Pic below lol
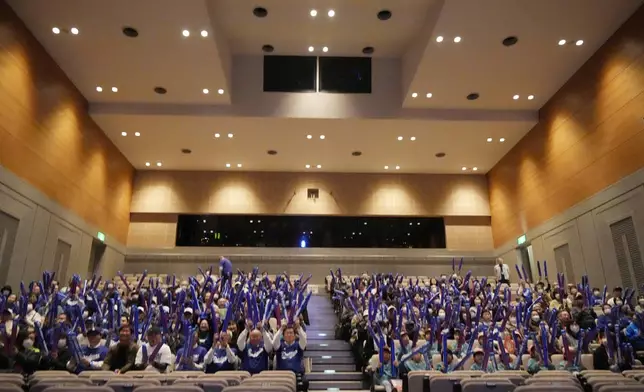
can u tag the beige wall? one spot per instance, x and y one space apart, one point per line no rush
159 196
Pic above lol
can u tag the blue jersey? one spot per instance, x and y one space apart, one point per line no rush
254 359
220 361
289 357
198 355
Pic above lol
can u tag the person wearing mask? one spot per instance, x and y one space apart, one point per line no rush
568 363
479 356
204 337
93 354
221 356
417 362
451 363
535 363
633 334
196 361
289 352
254 346
121 357
27 358
383 378
572 334
556 303
502 271
616 299
154 355
32 317
639 308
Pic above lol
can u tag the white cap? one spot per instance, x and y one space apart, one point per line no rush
166 309
188 310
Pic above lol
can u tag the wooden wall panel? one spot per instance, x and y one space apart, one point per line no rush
590 134
48 139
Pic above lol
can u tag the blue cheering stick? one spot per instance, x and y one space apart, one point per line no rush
618 344
544 343
41 338
580 343
444 350
518 271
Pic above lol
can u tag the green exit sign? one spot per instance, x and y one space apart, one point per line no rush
521 239
100 236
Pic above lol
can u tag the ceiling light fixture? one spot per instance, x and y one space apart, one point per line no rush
400 138
137 134
463 168
457 39
311 48
220 91
413 138
307 166
331 13
239 165
397 167
429 95
204 33
99 89
439 38
530 97
386 167
123 133
516 96
475 168
159 164
230 136
322 137
185 33
268 48
319 166
579 42
309 136
562 42
147 163
313 13
74 30
205 91
325 49
414 95
228 165
217 135
130 32
489 140
55 30
115 90
502 139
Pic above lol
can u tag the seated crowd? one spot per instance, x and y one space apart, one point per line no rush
457 322
242 321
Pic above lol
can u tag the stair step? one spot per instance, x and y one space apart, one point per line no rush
327 353
338 367
320 333
327 344
330 360
334 386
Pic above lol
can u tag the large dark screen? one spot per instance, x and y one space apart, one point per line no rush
348 75
310 231
289 74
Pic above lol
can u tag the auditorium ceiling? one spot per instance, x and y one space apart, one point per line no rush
174 74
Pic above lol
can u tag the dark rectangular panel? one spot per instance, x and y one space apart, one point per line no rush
290 74
346 75
293 231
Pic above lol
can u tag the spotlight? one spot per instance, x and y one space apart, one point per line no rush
185 33
308 166
331 13
414 95
239 165
311 48
313 13
220 91
489 140
562 42
400 138
463 168
475 168
309 136
123 133
516 96
147 164
74 30
325 49
439 38
159 164
99 89
322 137
230 135
217 135
228 165
55 30
457 39
429 95
204 33
530 97
413 138
319 166
386 167
115 90
579 42
205 91
137 134
502 139
397 167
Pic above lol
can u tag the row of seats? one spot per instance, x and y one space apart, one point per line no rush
520 381
142 381
422 280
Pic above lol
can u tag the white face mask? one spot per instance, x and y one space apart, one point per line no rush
441 315
434 289
535 318
30 307
596 293
641 301
513 320
27 344
618 303
574 328
62 343
540 291
85 315
477 302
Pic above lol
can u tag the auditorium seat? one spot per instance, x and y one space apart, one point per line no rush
128 385
487 384
47 383
169 388
446 382
78 388
622 388
553 388
12 378
207 384
516 379
11 388
260 389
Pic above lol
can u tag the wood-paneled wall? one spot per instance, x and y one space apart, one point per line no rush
590 134
48 139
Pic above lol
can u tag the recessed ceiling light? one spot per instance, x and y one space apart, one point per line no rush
386 167
186 151
322 137
502 139
271 152
475 168
356 153
217 135
439 155
268 48
159 164
123 133
414 95
400 138
413 138
137 134
307 166
74 30
160 90
319 166
230 135
239 165
530 97
205 91
147 163
325 49
130 32
309 136
429 95
220 91
185 33
311 48
397 167
204 33
228 165
313 13
331 13
368 50
463 168
260 12
516 96
99 89
472 96
509 41
579 42
55 30
384 15
457 39
562 42
489 140
115 90
439 38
